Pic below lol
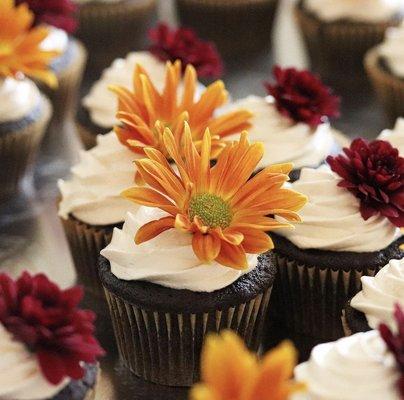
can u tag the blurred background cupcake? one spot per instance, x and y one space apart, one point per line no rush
112 28
239 28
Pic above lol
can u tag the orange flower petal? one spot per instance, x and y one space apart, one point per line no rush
232 256
153 229
256 241
206 246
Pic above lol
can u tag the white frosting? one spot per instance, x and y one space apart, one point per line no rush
395 136
92 194
167 260
18 98
57 40
392 49
379 294
284 140
332 220
355 10
20 374
357 367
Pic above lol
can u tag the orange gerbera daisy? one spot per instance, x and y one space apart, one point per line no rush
145 113
224 210
231 372
20 51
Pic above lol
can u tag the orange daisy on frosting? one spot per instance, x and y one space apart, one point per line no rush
145 112
224 210
20 51
230 372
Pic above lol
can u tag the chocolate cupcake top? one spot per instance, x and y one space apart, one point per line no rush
391 50
395 136
372 11
381 293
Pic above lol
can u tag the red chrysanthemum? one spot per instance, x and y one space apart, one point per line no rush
46 319
183 44
58 13
374 173
395 343
301 96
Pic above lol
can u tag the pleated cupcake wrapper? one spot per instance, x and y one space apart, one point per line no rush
111 30
238 28
389 89
345 326
18 150
338 48
88 138
85 243
165 347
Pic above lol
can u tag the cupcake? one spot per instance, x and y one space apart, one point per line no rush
385 68
97 114
338 33
47 343
240 28
395 136
188 262
91 205
350 228
24 112
375 303
293 120
112 28
367 365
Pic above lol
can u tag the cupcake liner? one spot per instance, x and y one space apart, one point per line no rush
389 89
345 325
111 30
88 138
18 147
238 27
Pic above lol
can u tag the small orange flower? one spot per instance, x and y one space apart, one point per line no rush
224 210
231 372
145 113
20 51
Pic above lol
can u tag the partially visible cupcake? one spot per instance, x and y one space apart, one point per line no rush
338 33
395 136
48 348
293 121
24 112
188 262
97 114
112 28
351 227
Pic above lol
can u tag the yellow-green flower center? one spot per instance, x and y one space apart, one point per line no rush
211 209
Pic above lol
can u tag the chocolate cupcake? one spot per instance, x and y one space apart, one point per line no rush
338 34
193 267
48 349
112 28
345 234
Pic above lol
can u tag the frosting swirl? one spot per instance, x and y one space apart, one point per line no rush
355 10
379 294
167 260
92 195
20 374
357 367
332 219
395 136
284 140
57 40
392 50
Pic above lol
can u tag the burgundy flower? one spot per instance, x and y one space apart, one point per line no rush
58 13
46 319
395 343
183 44
374 173
301 96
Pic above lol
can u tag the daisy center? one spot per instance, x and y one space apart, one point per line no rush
211 209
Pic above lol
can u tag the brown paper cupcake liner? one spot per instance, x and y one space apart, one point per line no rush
238 28
88 138
165 347
18 148
389 89
345 325
111 30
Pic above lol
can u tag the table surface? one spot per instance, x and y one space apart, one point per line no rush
31 235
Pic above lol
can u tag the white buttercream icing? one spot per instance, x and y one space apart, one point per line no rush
357 367
332 220
284 140
57 40
167 260
392 49
20 374
355 10
92 194
395 136
379 294
18 98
